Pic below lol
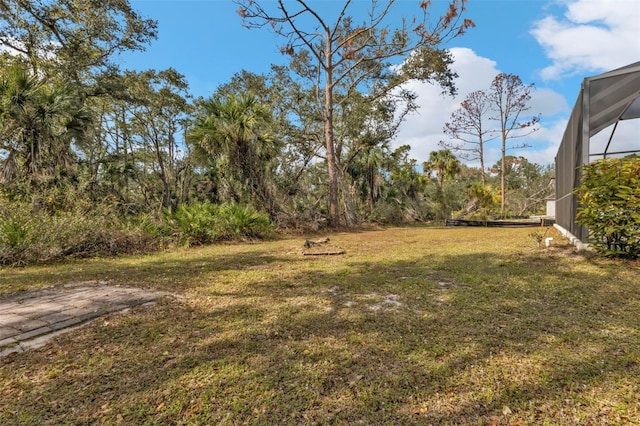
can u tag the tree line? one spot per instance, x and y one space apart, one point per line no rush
306 145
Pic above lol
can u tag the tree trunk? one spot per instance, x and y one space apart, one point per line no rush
337 183
481 154
334 213
502 173
347 199
329 139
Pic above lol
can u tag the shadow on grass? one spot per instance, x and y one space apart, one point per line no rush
459 339
175 272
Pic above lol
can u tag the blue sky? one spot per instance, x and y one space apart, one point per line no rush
551 43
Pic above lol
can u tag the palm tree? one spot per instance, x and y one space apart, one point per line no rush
18 117
232 131
366 173
38 123
444 164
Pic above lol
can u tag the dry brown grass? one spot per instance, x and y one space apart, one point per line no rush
410 326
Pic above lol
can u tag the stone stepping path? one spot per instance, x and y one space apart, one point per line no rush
30 319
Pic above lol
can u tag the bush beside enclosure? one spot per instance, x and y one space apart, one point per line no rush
610 206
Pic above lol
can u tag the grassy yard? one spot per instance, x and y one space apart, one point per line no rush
410 326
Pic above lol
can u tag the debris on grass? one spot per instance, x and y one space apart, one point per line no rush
472 328
321 247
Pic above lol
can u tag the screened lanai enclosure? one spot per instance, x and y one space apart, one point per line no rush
596 129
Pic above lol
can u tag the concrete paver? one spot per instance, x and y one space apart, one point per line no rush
30 319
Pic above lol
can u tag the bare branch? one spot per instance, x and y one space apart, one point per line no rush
356 57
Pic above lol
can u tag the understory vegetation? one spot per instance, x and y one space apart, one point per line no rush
610 206
28 236
96 160
103 169
410 326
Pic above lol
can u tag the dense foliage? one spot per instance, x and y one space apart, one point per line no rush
28 236
103 161
356 69
610 206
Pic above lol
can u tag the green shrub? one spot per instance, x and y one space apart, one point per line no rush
234 221
146 224
32 236
610 206
14 232
17 229
192 224
204 223
97 232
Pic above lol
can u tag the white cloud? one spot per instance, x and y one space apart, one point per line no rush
423 130
593 35
544 143
625 138
549 102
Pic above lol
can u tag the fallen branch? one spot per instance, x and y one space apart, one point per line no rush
322 253
309 243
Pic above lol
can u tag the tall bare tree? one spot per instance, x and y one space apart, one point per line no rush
509 98
469 130
350 57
